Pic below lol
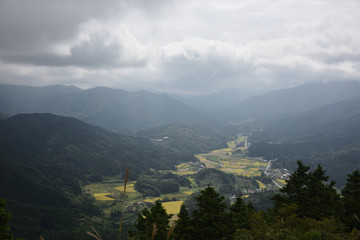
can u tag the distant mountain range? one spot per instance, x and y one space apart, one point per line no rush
113 109
218 102
286 102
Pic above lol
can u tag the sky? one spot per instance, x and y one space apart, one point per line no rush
179 46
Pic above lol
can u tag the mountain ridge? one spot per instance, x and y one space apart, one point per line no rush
113 109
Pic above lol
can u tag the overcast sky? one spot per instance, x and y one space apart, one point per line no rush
184 46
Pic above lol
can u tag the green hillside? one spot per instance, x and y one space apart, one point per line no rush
185 139
329 135
45 159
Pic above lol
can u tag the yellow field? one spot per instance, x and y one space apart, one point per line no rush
188 192
172 207
151 200
129 188
282 181
242 166
261 185
103 197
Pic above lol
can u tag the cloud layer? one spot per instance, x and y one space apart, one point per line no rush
179 46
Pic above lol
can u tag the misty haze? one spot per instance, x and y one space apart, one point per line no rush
179 120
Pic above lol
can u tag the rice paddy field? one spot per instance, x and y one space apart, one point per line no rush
129 188
232 164
111 190
227 160
261 185
185 169
172 207
103 197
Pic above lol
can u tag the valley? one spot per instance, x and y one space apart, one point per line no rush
250 175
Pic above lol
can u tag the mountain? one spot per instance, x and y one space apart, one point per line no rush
285 102
45 158
25 99
329 135
113 109
216 102
185 139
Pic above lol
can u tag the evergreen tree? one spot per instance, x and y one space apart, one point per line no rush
351 198
210 220
146 220
311 193
240 214
183 229
319 199
4 222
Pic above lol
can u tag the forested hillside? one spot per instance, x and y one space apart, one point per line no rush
186 140
329 135
45 159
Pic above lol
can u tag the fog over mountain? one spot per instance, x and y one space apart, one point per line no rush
113 109
286 102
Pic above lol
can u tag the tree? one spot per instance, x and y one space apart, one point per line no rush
183 229
351 198
4 222
240 214
310 192
210 220
146 220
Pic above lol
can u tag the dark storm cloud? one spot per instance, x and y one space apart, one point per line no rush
35 24
90 54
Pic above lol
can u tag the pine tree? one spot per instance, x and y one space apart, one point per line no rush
210 220
351 198
146 219
240 214
311 193
183 229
